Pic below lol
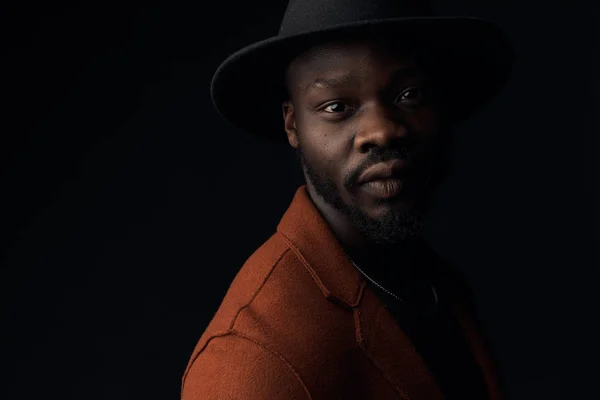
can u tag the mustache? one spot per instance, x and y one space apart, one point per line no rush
379 155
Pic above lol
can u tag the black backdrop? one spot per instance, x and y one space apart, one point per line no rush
128 205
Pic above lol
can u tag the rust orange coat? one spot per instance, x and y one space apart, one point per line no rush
299 322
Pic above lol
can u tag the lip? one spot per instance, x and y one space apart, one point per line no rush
386 171
384 188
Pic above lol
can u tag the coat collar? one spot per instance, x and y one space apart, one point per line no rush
311 238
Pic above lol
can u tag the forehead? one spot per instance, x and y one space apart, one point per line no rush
362 57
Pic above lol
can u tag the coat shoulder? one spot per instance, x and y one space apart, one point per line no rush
247 283
236 367
275 311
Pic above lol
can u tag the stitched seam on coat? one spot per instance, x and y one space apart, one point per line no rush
306 265
278 355
260 344
315 276
275 264
189 367
230 329
361 344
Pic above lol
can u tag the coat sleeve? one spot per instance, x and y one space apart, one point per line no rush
235 367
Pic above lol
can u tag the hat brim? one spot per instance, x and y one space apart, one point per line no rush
248 87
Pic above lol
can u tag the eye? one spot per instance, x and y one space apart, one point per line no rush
411 96
336 107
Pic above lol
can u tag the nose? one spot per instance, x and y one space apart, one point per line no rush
379 126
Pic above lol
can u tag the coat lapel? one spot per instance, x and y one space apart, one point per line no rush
480 352
392 352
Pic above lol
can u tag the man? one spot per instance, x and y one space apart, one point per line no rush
346 300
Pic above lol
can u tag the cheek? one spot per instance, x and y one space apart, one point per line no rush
314 155
427 127
426 122
324 161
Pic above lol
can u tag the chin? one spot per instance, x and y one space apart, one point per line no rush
378 208
388 223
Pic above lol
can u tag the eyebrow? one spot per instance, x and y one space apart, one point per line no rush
348 78
332 82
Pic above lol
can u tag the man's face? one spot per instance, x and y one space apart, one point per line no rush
355 105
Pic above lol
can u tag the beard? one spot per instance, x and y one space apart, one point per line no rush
389 228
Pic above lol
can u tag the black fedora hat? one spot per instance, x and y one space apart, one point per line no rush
475 56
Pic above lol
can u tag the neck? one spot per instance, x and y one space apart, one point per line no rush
403 255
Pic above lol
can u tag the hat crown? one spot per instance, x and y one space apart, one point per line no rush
303 16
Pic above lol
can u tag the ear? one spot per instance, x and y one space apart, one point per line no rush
289 123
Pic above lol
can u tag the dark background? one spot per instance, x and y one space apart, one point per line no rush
129 205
